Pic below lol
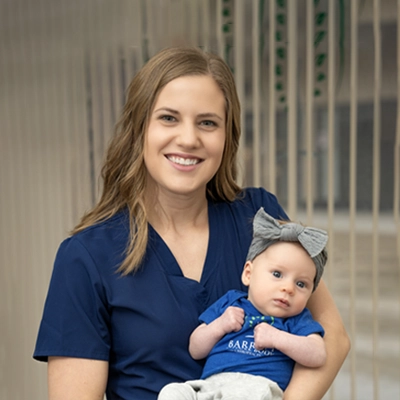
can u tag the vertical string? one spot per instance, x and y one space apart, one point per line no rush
240 82
396 202
220 34
149 16
13 216
256 96
331 122
353 183
376 191
135 60
192 26
272 103
206 25
79 160
396 197
292 109
309 132
331 145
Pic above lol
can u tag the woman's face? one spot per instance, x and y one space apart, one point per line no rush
186 134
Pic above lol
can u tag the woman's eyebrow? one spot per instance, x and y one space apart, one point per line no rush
210 115
201 115
167 109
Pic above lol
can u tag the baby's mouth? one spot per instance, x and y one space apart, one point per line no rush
282 302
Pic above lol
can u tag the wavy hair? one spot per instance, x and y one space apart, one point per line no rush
124 172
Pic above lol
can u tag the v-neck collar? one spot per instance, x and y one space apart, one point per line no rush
168 260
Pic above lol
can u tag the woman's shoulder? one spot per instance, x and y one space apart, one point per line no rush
252 198
111 226
110 235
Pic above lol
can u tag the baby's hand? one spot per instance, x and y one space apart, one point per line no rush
264 336
232 319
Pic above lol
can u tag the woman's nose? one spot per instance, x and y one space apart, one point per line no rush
188 136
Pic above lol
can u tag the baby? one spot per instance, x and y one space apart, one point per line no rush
253 340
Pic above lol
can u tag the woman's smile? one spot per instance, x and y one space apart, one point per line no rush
186 129
180 160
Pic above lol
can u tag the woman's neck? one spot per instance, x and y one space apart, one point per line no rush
166 211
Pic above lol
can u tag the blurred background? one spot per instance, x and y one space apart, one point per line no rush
319 85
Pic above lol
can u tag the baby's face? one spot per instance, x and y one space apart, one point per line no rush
280 280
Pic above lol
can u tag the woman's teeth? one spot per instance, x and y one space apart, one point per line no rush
183 161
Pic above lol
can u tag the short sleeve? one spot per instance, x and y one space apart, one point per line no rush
75 320
304 324
262 198
218 307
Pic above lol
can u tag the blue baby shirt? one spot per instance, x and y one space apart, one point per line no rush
235 352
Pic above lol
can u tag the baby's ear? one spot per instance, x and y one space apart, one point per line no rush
247 273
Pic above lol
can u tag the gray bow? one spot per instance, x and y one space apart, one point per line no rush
267 231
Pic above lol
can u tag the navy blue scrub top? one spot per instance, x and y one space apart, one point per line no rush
140 323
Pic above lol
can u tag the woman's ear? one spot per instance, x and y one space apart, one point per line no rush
247 273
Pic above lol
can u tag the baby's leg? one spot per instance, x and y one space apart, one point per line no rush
198 389
177 391
237 385
225 386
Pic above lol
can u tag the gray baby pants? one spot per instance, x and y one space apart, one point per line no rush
226 386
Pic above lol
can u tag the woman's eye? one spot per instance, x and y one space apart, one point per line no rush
276 274
208 123
168 118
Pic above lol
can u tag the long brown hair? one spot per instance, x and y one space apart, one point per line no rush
124 171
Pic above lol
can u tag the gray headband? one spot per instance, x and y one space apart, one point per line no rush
267 231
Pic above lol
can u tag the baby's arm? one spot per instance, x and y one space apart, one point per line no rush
306 350
204 337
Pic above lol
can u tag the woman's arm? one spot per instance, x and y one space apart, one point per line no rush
313 383
76 378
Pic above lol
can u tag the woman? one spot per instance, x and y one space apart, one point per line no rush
167 238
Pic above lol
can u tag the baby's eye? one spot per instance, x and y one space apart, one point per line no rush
301 285
276 274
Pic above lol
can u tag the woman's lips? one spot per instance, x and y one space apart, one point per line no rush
184 161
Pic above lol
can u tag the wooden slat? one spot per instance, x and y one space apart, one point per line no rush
256 96
309 123
376 191
292 147
353 185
